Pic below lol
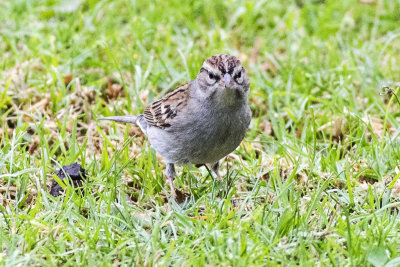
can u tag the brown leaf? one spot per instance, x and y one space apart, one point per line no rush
144 96
42 105
266 126
377 126
335 128
269 67
114 89
302 177
396 186
26 118
34 144
367 180
135 131
67 79
4 200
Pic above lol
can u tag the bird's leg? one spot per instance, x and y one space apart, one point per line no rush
215 168
170 170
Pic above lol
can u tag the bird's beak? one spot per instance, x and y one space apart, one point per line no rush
226 81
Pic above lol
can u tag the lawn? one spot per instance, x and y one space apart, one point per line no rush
315 182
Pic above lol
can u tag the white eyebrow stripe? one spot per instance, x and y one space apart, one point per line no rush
207 66
211 69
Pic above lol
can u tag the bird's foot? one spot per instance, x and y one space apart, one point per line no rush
215 168
172 188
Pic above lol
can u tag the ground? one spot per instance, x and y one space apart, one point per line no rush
315 182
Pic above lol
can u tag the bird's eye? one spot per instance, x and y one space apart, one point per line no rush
211 76
237 76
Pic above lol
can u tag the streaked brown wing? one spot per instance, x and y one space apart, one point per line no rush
161 112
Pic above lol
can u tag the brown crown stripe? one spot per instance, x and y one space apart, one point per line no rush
222 61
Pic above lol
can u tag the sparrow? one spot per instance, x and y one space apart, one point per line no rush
200 122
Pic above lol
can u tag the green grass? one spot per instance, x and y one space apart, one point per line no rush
314 182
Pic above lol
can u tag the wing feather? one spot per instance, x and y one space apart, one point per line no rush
161 112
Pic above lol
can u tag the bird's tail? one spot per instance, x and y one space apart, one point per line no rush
124 119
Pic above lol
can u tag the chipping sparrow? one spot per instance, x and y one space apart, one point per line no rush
201 121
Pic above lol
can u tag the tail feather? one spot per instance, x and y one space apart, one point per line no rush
124 119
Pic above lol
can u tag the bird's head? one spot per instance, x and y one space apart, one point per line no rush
223 79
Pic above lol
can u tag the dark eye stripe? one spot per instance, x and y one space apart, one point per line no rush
238 74
210 74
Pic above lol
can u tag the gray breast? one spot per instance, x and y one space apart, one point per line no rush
206 138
